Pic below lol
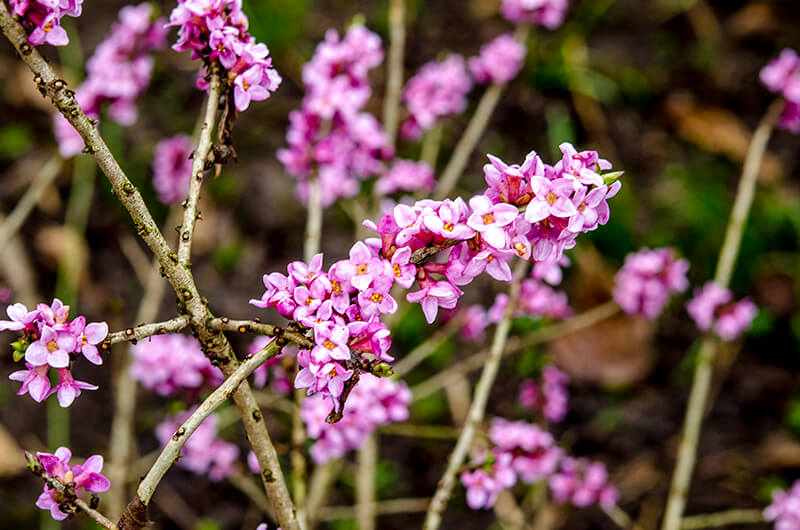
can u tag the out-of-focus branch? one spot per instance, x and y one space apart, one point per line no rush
701 383
13 222
146 330
367 463
198 170
433 518
390 507
394 77
728 517
319 485
427 347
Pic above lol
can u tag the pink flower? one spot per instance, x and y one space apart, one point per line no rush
34 381
169 363
489 219
449 220
782 75
550 198
582 483
482 488
550 396
706 301
547 13
331 343
45 16
735 319
248 86
646 280
376 299
21 318
52 348
172 168
438 294
785 508
403 271
85 476
405 175
475 323
500 60
68 388
88 337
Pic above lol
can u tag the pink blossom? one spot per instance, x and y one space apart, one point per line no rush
549 395
582 483
45 17
204 453
85 476
273 370
68 388
500 60
489 219
432 297
376 299
712 309
21 318
53 348
782 75
405 175
448 220
331 343
550 198
172 168
703 306
547 13
166 364
482 488
34 381
785 508
646 280
735 319
88 336
475 323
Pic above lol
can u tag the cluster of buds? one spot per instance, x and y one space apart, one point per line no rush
50 340
331 136
500 60
438 89
525 452
647 279
373 402
785 508
782 76
549 395
45 17
167 364
712 308
118 71
204 453
73 479
216 32
172 168
547 13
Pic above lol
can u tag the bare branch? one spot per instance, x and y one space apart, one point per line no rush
146 330
259 328
394 77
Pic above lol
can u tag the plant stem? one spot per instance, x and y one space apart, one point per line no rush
260 328
96 516
172 325
390 507
394 77
171 451
431 143
198 170
319 485
367 463
728 517
433 518
701 384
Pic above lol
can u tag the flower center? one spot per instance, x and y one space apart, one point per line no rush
52 346
361 269
490 258
520 248
329 344
47 27
332 373
488 218
376 297
245 86
582 207
309 300
335 287
448 227
397 271
550 198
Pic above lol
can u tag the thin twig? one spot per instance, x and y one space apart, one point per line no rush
215 344
259 328
431 143
466 145
173 448
96 516
433 517
701 384
24 207
390 507
728 517
394 77
198 170
319 486
367 463
515 344
621 518
440 432
244 483
147 330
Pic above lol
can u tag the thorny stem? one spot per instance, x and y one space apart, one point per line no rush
93 514
701 384
394 77
147 330
13 222
477 124
728 517
215 344
172 450
200 157
515 344
433 518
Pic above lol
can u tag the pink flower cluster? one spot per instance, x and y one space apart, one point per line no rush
45 17
204 453
522 451
712 309
166 364
331 136
582 483
172 168
782 75
785 508
437 90
118 71
500 60
374 401
405 175
549 394
547 13
85 476
273 370
51 340
647 279
216 31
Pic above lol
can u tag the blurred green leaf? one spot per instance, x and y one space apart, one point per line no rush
15 140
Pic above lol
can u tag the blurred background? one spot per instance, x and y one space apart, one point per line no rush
668 91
